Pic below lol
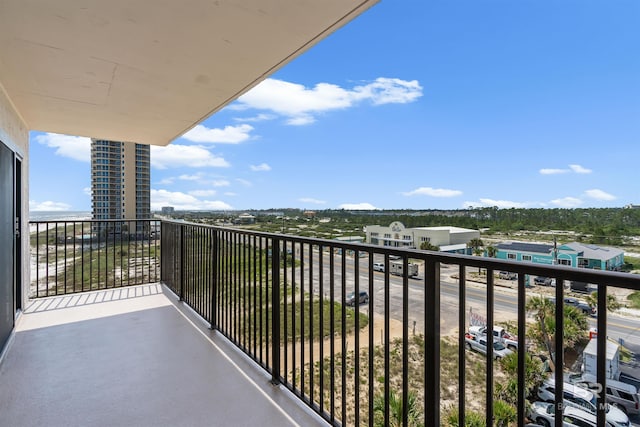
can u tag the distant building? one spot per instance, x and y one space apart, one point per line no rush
448 239
571 254
632 207
309 214
245 218
120 180
167 210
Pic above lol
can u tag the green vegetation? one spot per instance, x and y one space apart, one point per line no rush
542 331
634 299
607 226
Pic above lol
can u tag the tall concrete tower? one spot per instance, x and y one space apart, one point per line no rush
120 180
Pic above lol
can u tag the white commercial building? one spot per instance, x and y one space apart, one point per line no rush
448 239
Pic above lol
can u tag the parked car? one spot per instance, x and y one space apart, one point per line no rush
378 266
362 299
507 275
544 281
543 413
479 343
579 304
579 397
621 394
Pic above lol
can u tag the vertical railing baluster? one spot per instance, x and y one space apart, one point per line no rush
559 355
601 361
275 309
489 372
522 318
432 343
462 327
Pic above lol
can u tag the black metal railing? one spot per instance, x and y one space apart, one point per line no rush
78 256
362 334
286 302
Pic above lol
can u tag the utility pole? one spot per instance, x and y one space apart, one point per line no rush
555 251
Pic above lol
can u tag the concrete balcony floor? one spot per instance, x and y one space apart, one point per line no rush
133 357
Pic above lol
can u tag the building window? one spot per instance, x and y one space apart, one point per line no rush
526 257
511 256
564 262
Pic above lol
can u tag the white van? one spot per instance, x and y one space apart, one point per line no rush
624 395
582 398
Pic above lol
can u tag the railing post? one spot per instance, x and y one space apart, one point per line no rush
181 294
275 311
432 343
214 283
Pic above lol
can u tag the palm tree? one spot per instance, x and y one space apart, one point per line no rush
427 246
476 245
543 330
534 376
492 251
612 301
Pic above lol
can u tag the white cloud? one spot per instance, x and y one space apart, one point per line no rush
502 204
182 201
572 168
433 192
599 195
262 167
258 118
357 207
73 147
553 171
300 104
244 182
196 177
48 206
166 181
229 193
312 201
579 169
220 183
228 135
87 191
389 91
203 193
176 155
567 202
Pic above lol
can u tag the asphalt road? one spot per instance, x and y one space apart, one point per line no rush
505 300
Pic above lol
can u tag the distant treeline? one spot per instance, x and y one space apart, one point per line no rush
613 226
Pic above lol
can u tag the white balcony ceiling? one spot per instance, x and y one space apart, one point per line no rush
148 71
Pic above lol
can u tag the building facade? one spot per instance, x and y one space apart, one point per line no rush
572 254
120 180
448 239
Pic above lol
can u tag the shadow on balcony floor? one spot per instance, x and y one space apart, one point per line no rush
132 357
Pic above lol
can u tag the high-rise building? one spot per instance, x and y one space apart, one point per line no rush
120 180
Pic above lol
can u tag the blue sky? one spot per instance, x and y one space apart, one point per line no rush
413 105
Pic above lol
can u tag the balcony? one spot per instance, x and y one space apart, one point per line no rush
212 315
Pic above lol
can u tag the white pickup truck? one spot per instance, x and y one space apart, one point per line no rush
499 334
479 343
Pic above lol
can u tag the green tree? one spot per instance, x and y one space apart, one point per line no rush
612 302
543 329
492 251
534 376
427 246
476 246
395 410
